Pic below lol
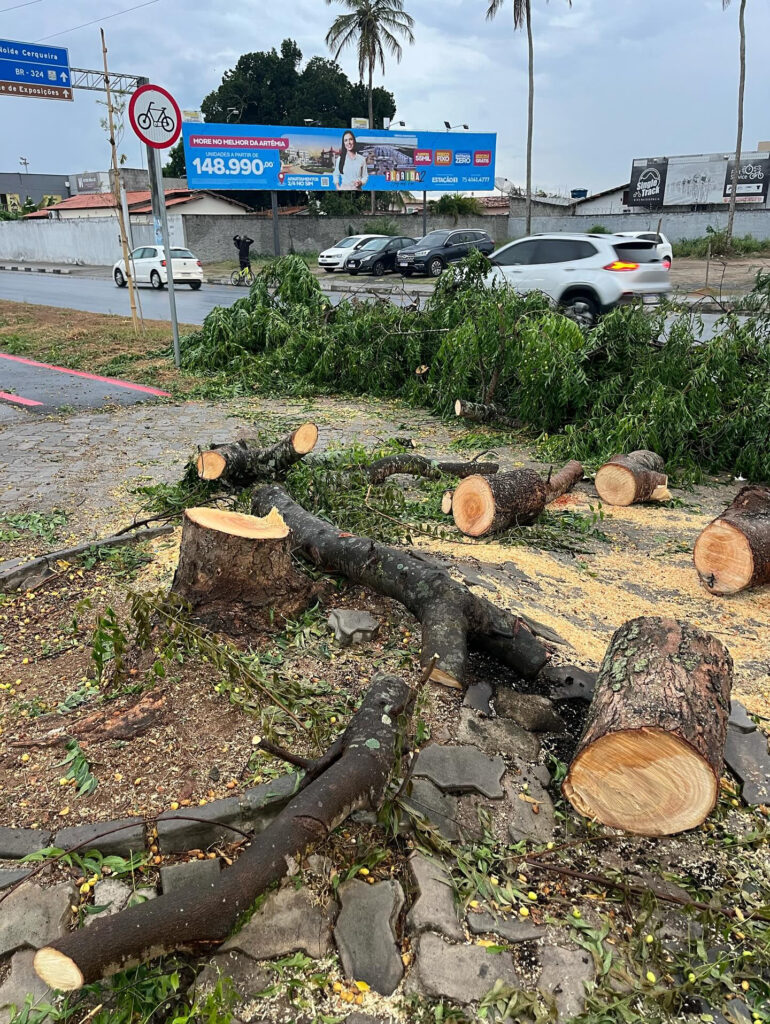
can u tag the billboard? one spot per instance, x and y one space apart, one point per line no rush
271 157
701 180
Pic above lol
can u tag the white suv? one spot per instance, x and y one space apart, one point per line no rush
334 258
585 274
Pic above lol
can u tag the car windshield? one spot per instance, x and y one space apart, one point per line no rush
375 243
346 243
435 238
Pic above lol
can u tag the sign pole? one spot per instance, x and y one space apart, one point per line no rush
276 231
156 179
424 214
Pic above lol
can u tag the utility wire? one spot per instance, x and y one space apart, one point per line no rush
17 6
97 21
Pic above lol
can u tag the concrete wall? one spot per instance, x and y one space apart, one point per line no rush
676 226
211 238
88 241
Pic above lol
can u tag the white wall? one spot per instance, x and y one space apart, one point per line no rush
611 203
88 241
211 205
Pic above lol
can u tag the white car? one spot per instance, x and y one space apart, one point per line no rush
334 258
665 249
148 266
585 274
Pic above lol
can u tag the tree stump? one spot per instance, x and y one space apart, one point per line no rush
629 479
733 552
233 567
244 462
650 757
446 502
482 506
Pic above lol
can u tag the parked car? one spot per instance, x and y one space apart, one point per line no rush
665 249
438 249
334 258
377 255
585 274
148 266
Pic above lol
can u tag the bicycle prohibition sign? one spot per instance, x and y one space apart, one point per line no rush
155 116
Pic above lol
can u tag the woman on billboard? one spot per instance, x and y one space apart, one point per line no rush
350 171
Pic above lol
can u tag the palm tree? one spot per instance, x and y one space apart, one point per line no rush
372 26
739 144
522 15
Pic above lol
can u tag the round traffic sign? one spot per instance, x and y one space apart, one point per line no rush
155 116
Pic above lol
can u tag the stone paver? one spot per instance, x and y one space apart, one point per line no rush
32 916
365 933
478 697
461 769
94 837
200 873
247 977
9 876
352 627
512 929
20 983
530 711
568 682
747 756
564 974
434 909
530 807
739 718
439 808
497 736
464 974
287 922
113 895
16 843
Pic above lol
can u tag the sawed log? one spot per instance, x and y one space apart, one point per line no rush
733 552
629 479
199 918
430 469
243 462
451 616
517 498
478 412
650 758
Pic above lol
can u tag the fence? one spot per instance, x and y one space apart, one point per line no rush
92 241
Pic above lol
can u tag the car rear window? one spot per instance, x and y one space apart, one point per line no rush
563 250
181 254
637 251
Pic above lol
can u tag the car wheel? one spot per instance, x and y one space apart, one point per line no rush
195 285
582 308
667 262
329 270
155 280
435 266
378 269
120 280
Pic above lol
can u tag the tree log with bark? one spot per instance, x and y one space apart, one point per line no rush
430 469
629 479
233 567
197 919
243 463
733 552
650 758
479 412
517 498
451 616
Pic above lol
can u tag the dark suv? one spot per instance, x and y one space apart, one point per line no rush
376 256
432 254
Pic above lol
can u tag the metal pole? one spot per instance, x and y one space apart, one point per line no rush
424 214
276 231
156 177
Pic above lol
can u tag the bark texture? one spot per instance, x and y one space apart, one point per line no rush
629 479
197 920
243 462
733 552
650 758
430 469
481 506
478 412
451 616
230 578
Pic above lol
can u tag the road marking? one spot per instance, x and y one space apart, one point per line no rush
17 399
88 376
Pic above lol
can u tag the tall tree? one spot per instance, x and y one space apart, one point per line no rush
372 26
522 16
741 88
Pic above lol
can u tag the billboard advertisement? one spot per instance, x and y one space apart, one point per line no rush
701 180
276 158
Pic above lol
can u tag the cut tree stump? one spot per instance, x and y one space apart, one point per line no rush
477 412
243 462
733 552
650 758
446 502
517 498
352 775
430 469
629 479
451 616
233 567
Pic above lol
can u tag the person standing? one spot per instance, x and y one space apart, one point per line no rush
243 243
350 171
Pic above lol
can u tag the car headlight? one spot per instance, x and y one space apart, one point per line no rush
422 252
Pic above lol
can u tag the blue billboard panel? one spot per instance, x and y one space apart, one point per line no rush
276 158
34 69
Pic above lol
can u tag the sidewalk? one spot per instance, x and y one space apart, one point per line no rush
73 269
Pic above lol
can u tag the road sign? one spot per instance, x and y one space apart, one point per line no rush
34 70
155 116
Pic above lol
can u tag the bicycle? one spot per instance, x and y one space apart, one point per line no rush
162 120
244 276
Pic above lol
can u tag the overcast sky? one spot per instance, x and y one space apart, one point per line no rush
615 79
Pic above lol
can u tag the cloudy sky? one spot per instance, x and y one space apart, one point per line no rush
615 79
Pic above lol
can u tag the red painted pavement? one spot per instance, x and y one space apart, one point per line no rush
17 399
88 376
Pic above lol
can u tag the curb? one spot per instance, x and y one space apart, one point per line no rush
36 270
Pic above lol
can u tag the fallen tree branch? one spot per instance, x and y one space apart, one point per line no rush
430 469
451 616
243 462
478 412
196 919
